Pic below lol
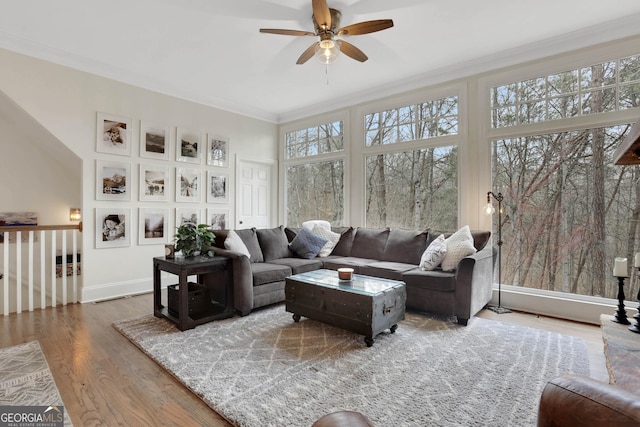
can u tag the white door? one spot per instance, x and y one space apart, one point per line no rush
255 183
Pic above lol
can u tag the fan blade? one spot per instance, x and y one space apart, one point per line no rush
307 54
321 13
365 27
352 51
286 32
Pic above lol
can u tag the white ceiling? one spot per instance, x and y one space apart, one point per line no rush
210 51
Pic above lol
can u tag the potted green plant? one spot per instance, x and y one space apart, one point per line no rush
191 239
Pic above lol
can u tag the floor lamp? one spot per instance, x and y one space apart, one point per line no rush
490 210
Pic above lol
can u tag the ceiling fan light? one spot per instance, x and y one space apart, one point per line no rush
326 44
327 51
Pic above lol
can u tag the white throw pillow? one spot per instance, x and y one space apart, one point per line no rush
234 243
434 254
459 245
332 239
319 222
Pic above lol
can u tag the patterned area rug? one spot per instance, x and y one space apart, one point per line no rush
25 378
265 370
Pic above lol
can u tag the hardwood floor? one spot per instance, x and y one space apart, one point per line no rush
104 380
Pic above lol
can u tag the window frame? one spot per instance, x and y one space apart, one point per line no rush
342 155
361 151
553 303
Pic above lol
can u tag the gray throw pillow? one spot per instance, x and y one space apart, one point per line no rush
250 239
307 244
274 243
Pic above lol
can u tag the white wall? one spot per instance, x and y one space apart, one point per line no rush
37 173
65 102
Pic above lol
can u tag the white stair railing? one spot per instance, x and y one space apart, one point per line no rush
38 270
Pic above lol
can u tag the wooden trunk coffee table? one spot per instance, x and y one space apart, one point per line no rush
364 305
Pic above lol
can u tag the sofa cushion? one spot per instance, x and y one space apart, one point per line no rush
480 239
370 243
274 243
435 280
291 233
332 239
299 265
234 243
221 236
343 247
335 262
267 273
386 269
405 246
434 254
307 244
250 239
459 245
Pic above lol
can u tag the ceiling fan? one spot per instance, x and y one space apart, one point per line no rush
327 26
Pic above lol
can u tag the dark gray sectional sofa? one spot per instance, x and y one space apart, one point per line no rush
388 253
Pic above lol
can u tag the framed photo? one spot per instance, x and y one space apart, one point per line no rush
154 183
188 145
153 226
217 187
187 215
218 219
113 227
154 141
113 134
188 185
112 180
217 151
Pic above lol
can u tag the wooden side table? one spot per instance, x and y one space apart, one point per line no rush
202 266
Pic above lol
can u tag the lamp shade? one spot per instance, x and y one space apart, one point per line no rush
327 51
75 214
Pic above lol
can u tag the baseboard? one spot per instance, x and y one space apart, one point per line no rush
109 291
556 304
115 290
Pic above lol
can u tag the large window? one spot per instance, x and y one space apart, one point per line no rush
413 189
603 87
410 182
314 174
567 210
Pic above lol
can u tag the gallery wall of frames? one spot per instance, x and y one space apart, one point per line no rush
179 175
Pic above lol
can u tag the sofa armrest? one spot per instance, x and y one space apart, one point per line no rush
242 280
474 283
572 400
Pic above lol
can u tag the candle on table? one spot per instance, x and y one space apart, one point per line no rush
620 267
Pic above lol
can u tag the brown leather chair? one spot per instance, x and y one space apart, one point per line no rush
343 419
573 400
